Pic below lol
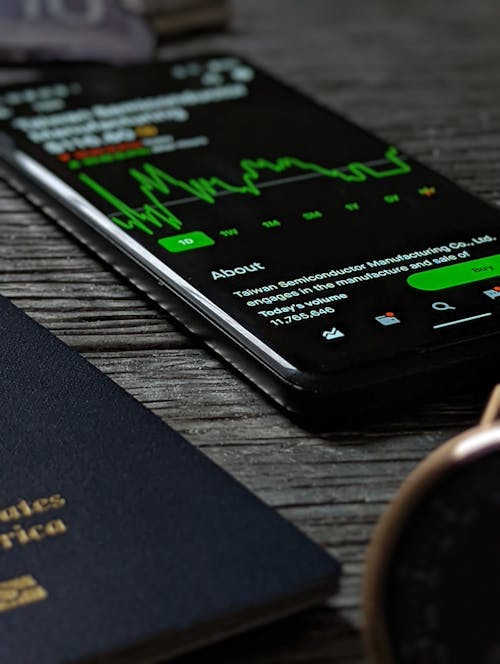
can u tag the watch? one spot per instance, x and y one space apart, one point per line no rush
432 582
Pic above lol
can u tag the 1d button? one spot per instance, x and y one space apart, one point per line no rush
185 242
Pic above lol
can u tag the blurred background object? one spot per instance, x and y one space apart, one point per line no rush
115 31
171 18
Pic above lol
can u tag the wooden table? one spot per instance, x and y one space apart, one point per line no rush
424 75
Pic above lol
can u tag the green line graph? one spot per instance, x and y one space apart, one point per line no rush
154 182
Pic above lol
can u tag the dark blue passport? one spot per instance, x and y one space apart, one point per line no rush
119 541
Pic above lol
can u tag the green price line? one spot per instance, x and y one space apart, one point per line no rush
154 181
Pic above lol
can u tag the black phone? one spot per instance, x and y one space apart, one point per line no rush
328 266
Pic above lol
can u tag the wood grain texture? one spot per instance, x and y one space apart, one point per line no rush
423 75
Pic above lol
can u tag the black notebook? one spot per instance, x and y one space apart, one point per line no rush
118 539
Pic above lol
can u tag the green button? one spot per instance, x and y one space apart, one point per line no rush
456 275
185 242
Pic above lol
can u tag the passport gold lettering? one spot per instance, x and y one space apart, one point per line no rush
19 535
20 591
22 535
40 505
25 509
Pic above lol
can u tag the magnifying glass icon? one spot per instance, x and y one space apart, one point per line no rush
442 306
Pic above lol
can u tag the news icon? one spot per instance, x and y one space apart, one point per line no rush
389 318
493 293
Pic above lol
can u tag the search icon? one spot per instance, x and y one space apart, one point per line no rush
442 306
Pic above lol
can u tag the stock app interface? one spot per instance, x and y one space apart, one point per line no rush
327 244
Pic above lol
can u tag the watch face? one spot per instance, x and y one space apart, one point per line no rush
442 594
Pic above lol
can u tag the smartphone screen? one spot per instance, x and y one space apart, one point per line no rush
319 244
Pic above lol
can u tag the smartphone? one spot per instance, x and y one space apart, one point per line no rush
328 266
